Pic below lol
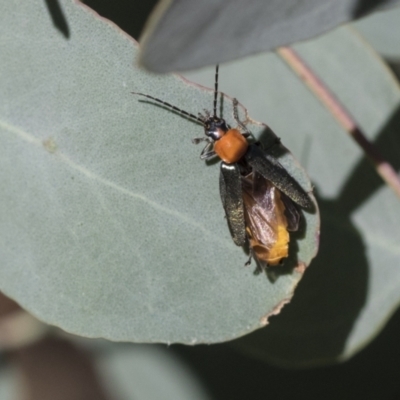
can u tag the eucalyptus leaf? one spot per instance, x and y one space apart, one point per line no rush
353 286
382 30
187 34
111 226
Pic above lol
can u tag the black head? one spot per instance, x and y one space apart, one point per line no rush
215 127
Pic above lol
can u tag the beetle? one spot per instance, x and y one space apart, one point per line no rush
260 198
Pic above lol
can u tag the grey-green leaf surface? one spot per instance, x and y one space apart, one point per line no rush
187 34
353 286
382 30
111 226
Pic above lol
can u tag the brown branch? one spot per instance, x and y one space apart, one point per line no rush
383 167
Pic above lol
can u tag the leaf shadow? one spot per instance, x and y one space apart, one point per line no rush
364 7
314 328
129 15
58 17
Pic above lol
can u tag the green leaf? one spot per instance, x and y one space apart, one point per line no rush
111 226
383 31
353 286
182 35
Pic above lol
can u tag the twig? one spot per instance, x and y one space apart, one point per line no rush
383 167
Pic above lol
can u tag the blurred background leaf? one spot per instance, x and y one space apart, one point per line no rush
187 34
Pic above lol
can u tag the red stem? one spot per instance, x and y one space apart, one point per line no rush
383 167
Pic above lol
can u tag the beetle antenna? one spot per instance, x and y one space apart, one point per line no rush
171 106
216 90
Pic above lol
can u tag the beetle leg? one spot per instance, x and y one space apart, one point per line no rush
207 153
248 262
197 140
259 268
246 132
230 186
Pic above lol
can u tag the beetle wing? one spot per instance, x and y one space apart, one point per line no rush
292 214
270 168
230 186
266 222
